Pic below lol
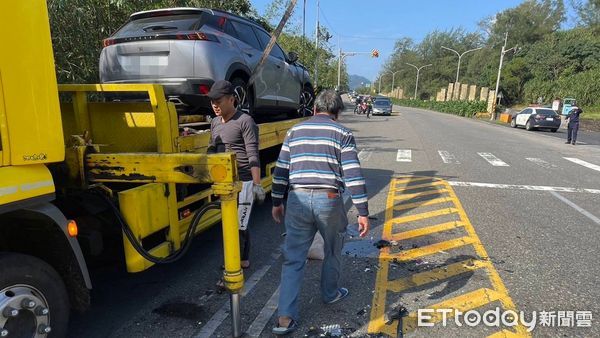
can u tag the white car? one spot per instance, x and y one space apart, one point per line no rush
536 117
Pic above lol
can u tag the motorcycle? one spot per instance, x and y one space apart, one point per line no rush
364 107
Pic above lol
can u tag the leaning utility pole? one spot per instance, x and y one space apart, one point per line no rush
504 51
317 49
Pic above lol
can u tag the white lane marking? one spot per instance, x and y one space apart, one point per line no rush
447 157
217 319
365 154
541 163
259 323
404 155
576 207
583 163
493 160
522 187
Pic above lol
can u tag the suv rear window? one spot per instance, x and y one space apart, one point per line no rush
264 41
383 102
168 23
246 34
548 112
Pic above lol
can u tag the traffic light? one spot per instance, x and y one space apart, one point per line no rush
375 53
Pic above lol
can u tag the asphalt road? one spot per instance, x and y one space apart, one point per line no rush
521 216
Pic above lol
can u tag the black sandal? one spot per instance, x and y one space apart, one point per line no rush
282 331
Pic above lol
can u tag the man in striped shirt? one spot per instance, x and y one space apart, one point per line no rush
318 160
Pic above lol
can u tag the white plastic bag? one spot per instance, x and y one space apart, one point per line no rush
317 248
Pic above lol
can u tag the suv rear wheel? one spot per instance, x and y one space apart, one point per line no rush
244 95
529 126
306 102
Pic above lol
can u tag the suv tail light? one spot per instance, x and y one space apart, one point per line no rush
199 36
203 89
108 42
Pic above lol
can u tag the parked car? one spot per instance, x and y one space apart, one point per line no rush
536 117
188 49
382 106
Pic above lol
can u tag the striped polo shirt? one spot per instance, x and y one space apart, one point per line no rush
320 153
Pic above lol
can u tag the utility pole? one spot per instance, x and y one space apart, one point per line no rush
339 64
393 78
418 71
317 49
504 51
460 57
379 90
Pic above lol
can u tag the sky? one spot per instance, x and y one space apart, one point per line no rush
362 26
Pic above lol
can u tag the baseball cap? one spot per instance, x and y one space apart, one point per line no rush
220 89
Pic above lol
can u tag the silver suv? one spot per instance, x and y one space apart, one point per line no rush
188 49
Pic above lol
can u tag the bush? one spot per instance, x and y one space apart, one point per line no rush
460 108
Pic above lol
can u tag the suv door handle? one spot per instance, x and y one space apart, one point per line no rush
278 66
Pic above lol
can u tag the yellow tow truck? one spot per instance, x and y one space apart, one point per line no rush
82 177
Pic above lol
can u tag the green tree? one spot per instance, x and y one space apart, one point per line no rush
527 23
588 12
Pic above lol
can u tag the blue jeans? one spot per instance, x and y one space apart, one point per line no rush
306 212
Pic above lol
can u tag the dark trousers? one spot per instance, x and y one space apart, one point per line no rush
245 245
573 127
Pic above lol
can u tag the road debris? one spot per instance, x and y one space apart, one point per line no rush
382 243
395 314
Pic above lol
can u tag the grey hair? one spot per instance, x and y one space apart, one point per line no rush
329 101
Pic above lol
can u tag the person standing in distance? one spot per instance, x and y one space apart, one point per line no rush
232 130
318 160
573 126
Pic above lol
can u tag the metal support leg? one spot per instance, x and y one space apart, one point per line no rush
235 314
233 275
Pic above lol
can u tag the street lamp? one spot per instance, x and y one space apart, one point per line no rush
504 51
417 82
374 53
460 57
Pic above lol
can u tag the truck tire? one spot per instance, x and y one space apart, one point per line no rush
36 290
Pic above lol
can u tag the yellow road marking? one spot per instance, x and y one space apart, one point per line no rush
414 205
405 197
398 201
411 254
424 215
435 275
504 334
463 303
426 231
419 186
414 179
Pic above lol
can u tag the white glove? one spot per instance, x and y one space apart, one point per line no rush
259 193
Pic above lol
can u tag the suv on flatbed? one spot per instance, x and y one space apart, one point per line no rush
188 49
